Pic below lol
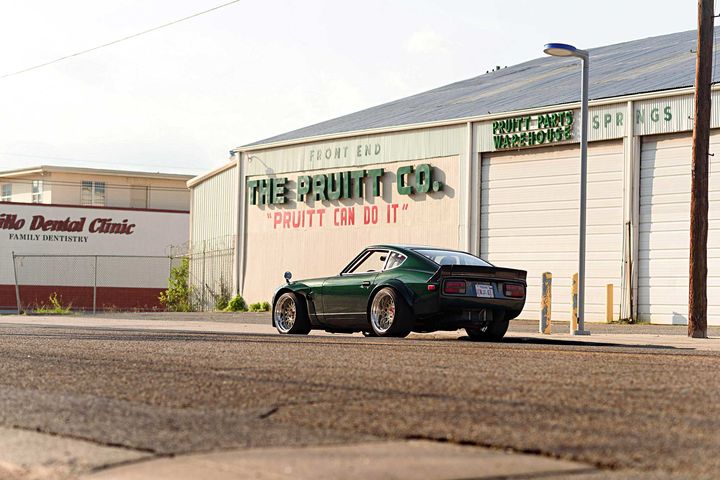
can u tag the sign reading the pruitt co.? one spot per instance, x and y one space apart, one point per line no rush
532 130
342 185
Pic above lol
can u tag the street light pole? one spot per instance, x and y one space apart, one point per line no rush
564 50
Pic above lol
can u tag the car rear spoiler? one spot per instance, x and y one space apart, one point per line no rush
479 271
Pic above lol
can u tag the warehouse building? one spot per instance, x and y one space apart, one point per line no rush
489 165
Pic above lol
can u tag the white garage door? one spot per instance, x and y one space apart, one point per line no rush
664 234
529 220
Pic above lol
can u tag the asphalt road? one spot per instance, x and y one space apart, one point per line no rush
634 412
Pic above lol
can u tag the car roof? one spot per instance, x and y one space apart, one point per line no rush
413 247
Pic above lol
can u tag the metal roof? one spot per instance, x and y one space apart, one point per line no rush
652 64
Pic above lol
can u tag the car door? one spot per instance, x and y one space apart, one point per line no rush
345 296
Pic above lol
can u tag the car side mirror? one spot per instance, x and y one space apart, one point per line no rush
287 276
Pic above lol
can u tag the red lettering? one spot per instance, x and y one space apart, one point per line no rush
277 218
321 213
286 219
370 215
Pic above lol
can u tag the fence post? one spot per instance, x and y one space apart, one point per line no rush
574 292
609 303
95 287
17 286
546 304
202 279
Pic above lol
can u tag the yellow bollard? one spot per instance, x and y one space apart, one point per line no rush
546 304
574 291
609 303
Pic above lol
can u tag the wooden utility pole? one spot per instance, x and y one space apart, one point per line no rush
697 304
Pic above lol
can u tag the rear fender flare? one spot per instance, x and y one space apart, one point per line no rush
404 292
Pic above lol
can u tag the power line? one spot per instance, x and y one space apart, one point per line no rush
118 40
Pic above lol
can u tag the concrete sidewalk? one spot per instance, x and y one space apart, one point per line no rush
238 327
397 460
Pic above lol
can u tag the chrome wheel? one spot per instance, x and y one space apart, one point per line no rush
382 311
285 313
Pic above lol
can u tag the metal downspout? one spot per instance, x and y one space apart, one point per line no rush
239 265
631 213
468 189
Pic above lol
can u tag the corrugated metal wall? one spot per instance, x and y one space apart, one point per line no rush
214 211
212 238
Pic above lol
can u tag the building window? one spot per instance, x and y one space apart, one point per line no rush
37 191
6 192
93 193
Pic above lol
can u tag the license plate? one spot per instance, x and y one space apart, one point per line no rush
484 291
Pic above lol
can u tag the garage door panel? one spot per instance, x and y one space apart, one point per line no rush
530 223
544 231
601 256
567 244
529 219
556 193
558 179
561 166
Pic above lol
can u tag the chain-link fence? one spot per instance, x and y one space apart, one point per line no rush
211 272
124 282
91 282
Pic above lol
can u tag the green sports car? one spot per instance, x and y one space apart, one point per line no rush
392 290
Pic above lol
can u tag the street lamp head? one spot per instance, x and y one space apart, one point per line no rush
560 50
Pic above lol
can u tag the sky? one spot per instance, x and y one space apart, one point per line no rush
178 99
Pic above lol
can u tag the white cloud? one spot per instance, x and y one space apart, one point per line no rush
428 41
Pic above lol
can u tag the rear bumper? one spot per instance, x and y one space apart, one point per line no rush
462 304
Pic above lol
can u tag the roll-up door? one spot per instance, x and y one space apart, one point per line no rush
664 233
529 220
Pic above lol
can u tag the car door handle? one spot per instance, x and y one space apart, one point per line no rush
366 283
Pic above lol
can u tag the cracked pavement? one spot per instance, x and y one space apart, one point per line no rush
632 412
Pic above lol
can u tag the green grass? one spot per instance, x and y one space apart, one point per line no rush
54 308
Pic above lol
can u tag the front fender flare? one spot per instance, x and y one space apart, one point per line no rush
297 288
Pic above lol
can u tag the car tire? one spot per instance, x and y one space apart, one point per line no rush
389 314
494 332
290 315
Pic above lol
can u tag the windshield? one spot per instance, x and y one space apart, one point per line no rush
448 257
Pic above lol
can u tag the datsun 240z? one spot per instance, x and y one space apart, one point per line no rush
392 290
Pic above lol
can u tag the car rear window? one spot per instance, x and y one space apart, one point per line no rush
449 257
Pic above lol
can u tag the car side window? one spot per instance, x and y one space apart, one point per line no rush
396 259
374 262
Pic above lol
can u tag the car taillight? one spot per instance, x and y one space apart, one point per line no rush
514 290
454 286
